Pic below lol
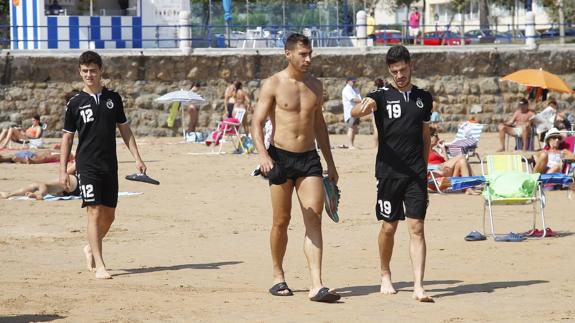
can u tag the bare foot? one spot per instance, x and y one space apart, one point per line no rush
420 296
101 273
387 286
89 259
3 195
471 191
500 150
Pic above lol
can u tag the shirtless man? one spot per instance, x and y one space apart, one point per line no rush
293 99
518 126
38 190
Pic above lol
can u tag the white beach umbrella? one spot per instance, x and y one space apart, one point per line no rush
182 96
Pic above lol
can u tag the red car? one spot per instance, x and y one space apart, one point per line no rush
444 37
388 36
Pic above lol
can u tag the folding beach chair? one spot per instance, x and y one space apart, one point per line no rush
531 140
510 182
436 183
466 140
229 128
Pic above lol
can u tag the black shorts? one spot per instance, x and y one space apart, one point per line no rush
401 197
98 188
290 165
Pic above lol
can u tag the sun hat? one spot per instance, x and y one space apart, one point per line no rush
553 132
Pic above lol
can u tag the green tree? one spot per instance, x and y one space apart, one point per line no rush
4 28
552 8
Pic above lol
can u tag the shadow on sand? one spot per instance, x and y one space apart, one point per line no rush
481 288
439 292
25 318
371 289
213 265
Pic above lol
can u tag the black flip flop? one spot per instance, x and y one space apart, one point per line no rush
280 287
325 296
142 178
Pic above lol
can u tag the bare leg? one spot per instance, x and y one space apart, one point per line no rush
21 192
503 130
193 121
100 219
310 194
351 136
417 251
525 137
281 203
541 159
385 242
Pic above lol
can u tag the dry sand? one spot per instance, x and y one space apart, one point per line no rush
195 249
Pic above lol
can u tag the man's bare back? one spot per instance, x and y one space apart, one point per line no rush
294 109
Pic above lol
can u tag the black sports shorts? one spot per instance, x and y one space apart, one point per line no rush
98 188
401 197
290 165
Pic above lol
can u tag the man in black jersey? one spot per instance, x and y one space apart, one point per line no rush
402 112
94 113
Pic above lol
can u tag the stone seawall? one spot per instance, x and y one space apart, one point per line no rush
462 82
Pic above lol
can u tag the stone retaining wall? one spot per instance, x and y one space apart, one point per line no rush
461 81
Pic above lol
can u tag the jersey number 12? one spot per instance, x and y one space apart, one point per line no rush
87 115
393 111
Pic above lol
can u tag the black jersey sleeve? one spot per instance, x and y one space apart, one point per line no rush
71 117
427 105
120 114
378 97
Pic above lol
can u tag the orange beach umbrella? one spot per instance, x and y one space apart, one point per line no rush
539 78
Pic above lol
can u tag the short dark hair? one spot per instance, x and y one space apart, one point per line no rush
523 101
379 83
36 116
197 84
396 54
90 57
294 39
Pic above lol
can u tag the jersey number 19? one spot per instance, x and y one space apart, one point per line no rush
393 111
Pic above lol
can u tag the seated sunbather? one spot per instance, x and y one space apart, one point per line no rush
18 135
38 190
456 166
550 159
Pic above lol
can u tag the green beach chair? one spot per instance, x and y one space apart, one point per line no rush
509 181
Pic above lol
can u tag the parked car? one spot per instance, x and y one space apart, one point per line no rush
481 36
507 36
554 32
388 36
443 37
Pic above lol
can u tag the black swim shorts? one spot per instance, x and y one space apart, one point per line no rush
99 188
401 197
290 165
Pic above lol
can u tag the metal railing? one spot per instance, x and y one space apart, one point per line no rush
274 36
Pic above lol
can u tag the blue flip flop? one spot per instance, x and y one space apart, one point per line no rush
331 201
475 236
510 237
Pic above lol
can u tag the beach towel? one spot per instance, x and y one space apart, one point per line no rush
512 185
173 113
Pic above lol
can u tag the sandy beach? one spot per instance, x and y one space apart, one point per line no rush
196 249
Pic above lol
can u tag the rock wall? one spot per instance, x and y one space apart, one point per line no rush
464 83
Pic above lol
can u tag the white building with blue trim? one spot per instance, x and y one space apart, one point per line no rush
91 24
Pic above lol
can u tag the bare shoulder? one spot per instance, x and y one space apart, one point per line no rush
271 82
315 84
